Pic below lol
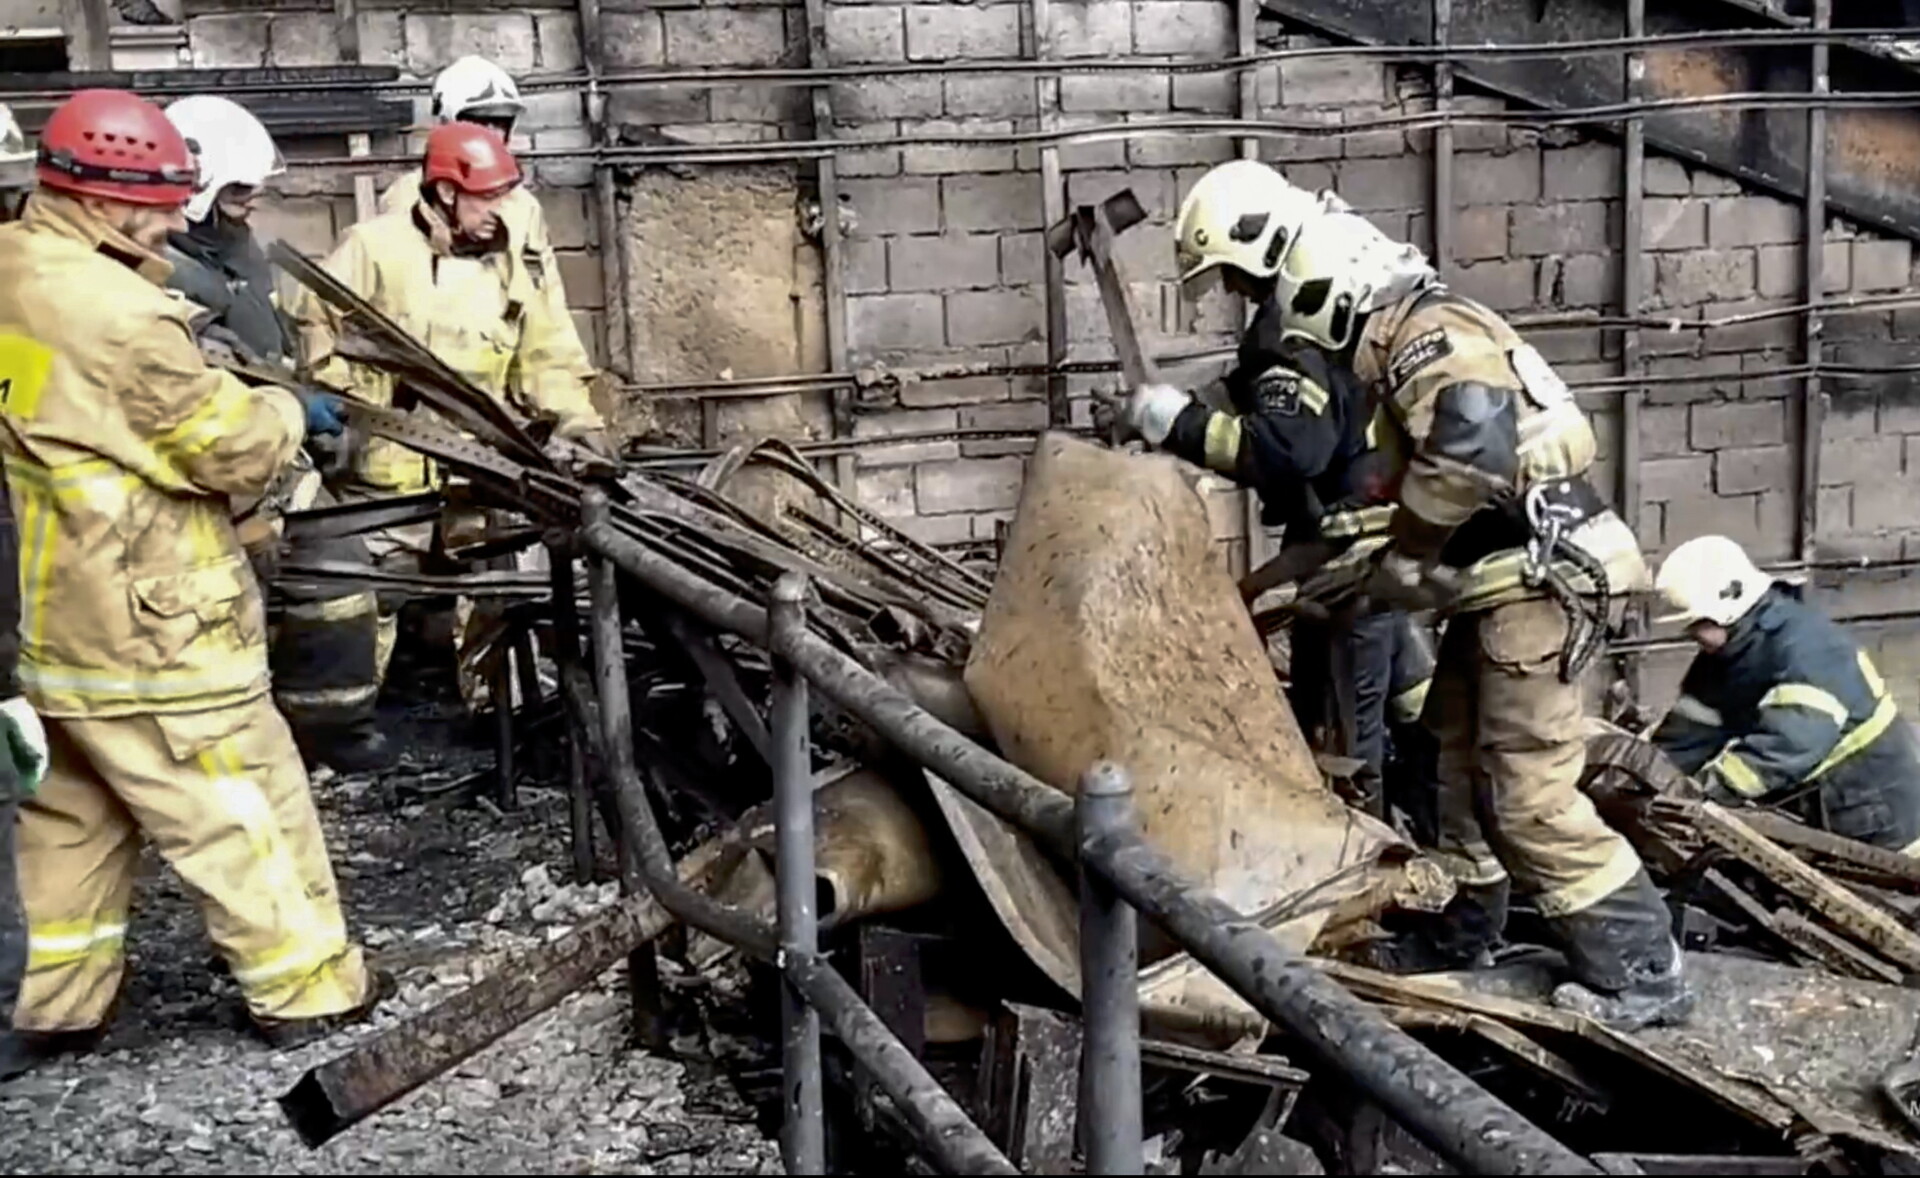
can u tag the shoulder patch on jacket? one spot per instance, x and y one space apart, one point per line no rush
1420 351
1282 391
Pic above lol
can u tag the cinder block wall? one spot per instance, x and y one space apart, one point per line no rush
944 260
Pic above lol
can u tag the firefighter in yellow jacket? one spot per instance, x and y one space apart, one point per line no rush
453 270
1498 528
142 629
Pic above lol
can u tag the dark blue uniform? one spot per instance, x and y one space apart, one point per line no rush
1298 436
1792 711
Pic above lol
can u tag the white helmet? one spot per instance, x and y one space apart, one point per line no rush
16 158
1340 267
231 145
475 88
1242 214
1710 578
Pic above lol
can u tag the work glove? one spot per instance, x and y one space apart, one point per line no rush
324 412
1401 582
1151 409
26 743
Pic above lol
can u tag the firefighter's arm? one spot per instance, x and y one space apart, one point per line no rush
555 374
1462 410
1693 729
1287 437
1796 727
207 431
319 325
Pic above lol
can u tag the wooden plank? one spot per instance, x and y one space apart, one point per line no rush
1877 861
1504 1037
1835 952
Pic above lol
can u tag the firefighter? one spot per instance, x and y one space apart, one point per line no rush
1781 707
142 630
322 649
1298 435
23 756
1497 528
453 270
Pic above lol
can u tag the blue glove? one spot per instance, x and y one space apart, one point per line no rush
323 413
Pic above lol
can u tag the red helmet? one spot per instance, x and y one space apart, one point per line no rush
116 145
474 157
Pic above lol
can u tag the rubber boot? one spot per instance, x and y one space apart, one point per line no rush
1463 935
287 1034
1628 970
359 747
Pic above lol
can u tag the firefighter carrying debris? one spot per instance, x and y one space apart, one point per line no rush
1497 527
453 270
1781 707
1300 435
142 628
323 649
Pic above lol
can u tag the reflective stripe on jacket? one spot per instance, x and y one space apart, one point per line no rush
124 452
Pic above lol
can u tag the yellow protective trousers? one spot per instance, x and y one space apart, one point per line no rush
224 797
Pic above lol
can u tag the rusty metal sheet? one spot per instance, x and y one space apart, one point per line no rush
1111 633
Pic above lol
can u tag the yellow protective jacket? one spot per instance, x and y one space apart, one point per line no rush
498 319
124 452
1417 354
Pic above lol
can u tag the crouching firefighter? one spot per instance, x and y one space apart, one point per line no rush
1497 528
323 648
1298 436
142 641
452 270
1781 708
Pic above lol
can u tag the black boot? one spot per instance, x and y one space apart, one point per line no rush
359 747
1461 936
22 1051
1628 969
287 1034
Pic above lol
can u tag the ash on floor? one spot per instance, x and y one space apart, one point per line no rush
435 889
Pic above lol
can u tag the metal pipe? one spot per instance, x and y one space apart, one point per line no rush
1632 296
802 1131
1812 400
1110 1118
1443 143
566 637
1432 1098
500 680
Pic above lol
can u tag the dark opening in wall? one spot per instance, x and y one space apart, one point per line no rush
33 55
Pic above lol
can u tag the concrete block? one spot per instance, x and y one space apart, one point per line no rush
1884 503
1006 415
979 484
1577 227
864 261
1700 276
634 38
561 172
1092 28
1704 515
1752 220
1366 144
436 40
1155 189
991 97
585 281
1898 414
1332 81
1008 316
306 223
1849 417
1396 183
558 40
725 36
1650 534
1502 286
1206 93
1010 201
383 41
572 221
947 161
888 322
1708 183
1663 430
1178 151
236 39
789 105
1674 223
1585 171
1115 92
304 38
886 98
940 530
1188 28
944 32
907 421
1881 265
1513 178
950 262
1394 224
887 491
660 108
1863 460
1479 231
1833 510
883 207
547 109
1470 137
1772 332
868 33
1739 470
1301 147
1584 280
1665 176
1111 153
1719 425
1682 477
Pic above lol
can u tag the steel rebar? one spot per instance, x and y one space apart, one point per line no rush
802 1129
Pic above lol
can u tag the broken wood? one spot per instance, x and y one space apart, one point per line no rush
1504 1037
1877 862
1831 950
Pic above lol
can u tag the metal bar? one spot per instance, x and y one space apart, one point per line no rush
566 655
500 687
527 674
1053 207
802 1131
720 678
1443 142
832 250
342 1092
1633 205
1812 399
615 329
1246 22
1110 1117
